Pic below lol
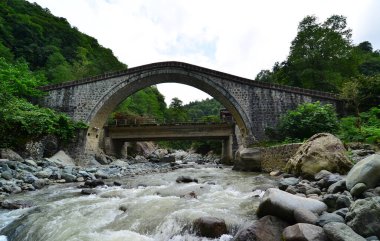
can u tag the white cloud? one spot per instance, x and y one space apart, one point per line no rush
239 37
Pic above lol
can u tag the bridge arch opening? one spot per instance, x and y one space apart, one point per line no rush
121 91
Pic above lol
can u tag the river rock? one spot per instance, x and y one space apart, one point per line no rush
186 179
16 204
341 232
339 186
45 173
302 215
366 171
93 183
248 159
326 218
322 151
304 232
285 182
7 175
268 228
69 177
9 154
39 183
364 217
167 159
89 191
27 177
61 159
210 227
282 204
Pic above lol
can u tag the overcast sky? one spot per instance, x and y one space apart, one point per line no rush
240 37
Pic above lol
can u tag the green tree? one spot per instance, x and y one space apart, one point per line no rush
22 121
308 119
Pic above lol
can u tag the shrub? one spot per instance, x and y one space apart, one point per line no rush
365 128
308 119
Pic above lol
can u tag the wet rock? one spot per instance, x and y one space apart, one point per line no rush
186 179
305 216
337 201
248 159
367 171
167 159
304 232
372 238
291 189
326 218
16 204
341 232
322 151
282 204
94 183
268 228
210 227
89 191
285 182
116 183
364 217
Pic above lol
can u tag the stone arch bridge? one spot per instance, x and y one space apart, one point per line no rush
254 105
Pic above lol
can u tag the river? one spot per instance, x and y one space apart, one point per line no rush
146 207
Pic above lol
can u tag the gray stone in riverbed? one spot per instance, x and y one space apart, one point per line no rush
358 189
7 175
304 232
366 171
285 182
302 215
328 218
68 177
282 204
364 217
45 173
268 228
16 204
341 232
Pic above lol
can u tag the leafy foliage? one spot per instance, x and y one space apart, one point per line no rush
308 119
368 131
22 121
49 44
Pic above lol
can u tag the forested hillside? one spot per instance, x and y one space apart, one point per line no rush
50 46
323 57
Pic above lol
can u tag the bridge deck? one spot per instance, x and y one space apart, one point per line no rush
170 131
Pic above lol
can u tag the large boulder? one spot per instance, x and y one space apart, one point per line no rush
322 151
9 154
282 204
366 171
210 227
268 228
248 159
305 232
364 217
61 159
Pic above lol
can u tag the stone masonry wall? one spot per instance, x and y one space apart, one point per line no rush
276 157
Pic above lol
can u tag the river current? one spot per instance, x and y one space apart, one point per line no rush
145 208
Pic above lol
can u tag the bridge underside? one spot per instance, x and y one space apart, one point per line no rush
115 137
